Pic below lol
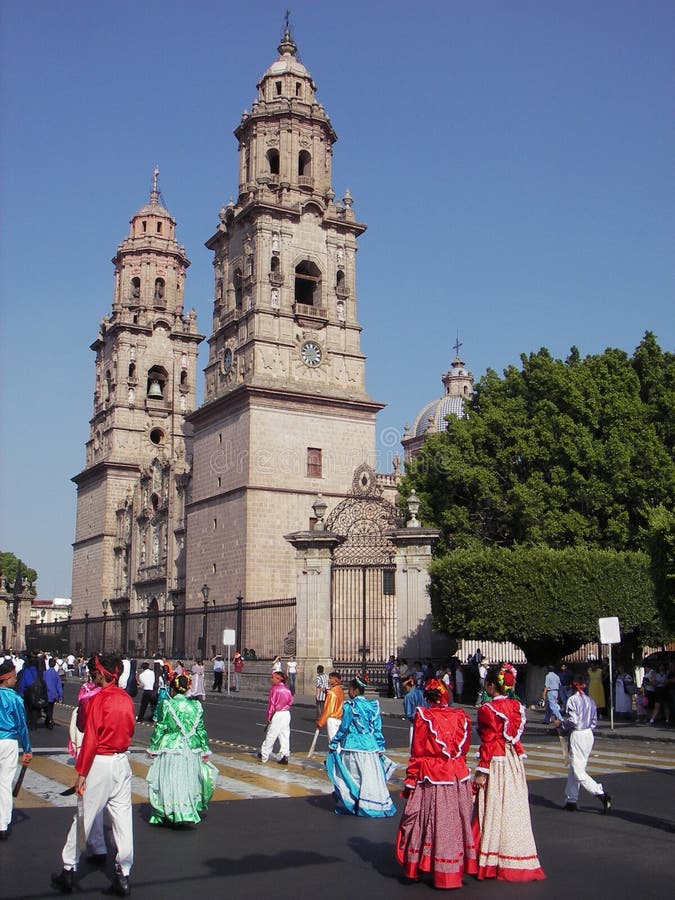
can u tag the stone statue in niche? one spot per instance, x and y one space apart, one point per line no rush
340 255
340 307
183 403
155 547
159 289
275 242
135 290
132 396
275 297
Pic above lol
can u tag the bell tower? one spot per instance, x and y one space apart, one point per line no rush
286 412
130 526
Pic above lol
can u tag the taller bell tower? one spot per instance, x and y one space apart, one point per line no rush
130 529
286 412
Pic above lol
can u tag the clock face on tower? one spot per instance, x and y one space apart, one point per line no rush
227 360
311 354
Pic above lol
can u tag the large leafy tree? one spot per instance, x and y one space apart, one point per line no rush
9 567
556 454
561 453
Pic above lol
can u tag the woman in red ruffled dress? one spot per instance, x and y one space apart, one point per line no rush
506 848
435 833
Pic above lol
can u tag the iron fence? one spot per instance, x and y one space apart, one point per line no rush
266 626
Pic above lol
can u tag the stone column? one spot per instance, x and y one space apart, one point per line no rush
413 605
314 554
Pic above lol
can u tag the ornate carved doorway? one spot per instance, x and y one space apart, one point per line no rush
363 576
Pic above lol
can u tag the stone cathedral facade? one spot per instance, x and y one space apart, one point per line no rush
172 497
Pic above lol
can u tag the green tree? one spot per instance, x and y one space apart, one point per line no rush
9 566
556 454
561 453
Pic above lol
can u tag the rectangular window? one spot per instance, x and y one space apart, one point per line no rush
313 462
277 84
388 583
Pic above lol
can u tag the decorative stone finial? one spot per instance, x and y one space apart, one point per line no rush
287 45
413 509
319 506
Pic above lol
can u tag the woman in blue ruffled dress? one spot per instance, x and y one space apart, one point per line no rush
356 762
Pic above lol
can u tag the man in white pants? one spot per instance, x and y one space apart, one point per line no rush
104 777
13 729
279 705
581 718
331 714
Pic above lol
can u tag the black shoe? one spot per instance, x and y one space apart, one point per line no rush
606 801
64 881
4 834
283 761
259 755
119 887
570 806
98 859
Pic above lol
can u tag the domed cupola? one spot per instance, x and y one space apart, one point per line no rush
458 383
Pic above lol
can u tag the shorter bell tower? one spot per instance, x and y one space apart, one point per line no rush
129 549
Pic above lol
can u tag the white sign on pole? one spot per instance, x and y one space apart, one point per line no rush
228 637
610 632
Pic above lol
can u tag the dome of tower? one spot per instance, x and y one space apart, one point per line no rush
288 62
458 383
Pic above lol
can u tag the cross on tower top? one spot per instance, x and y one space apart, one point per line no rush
457 345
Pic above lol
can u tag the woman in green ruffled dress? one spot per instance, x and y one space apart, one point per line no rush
181 780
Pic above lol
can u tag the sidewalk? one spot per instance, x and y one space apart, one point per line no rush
535 726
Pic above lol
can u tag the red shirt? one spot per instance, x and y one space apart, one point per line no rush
109 728
441 738
501 721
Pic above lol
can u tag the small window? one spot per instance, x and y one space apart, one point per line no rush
132 370
304 164
183 378
213 569
273 161
313 462
277 86
340 281
298 88
157 436
159 228
220 481
145 227
159 291
220 439
215 524
135 288
236 282
274 264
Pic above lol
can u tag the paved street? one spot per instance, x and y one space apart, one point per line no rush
271 831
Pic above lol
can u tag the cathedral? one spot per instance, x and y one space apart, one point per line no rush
173 497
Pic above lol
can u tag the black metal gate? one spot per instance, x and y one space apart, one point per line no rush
363 578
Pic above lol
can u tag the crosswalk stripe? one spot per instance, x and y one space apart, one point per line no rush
242 777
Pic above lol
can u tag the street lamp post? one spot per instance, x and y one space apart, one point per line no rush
104 606
205 596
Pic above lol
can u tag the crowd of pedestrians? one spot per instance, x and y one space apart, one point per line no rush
454 823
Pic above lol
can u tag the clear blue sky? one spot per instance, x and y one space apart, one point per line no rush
513 161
